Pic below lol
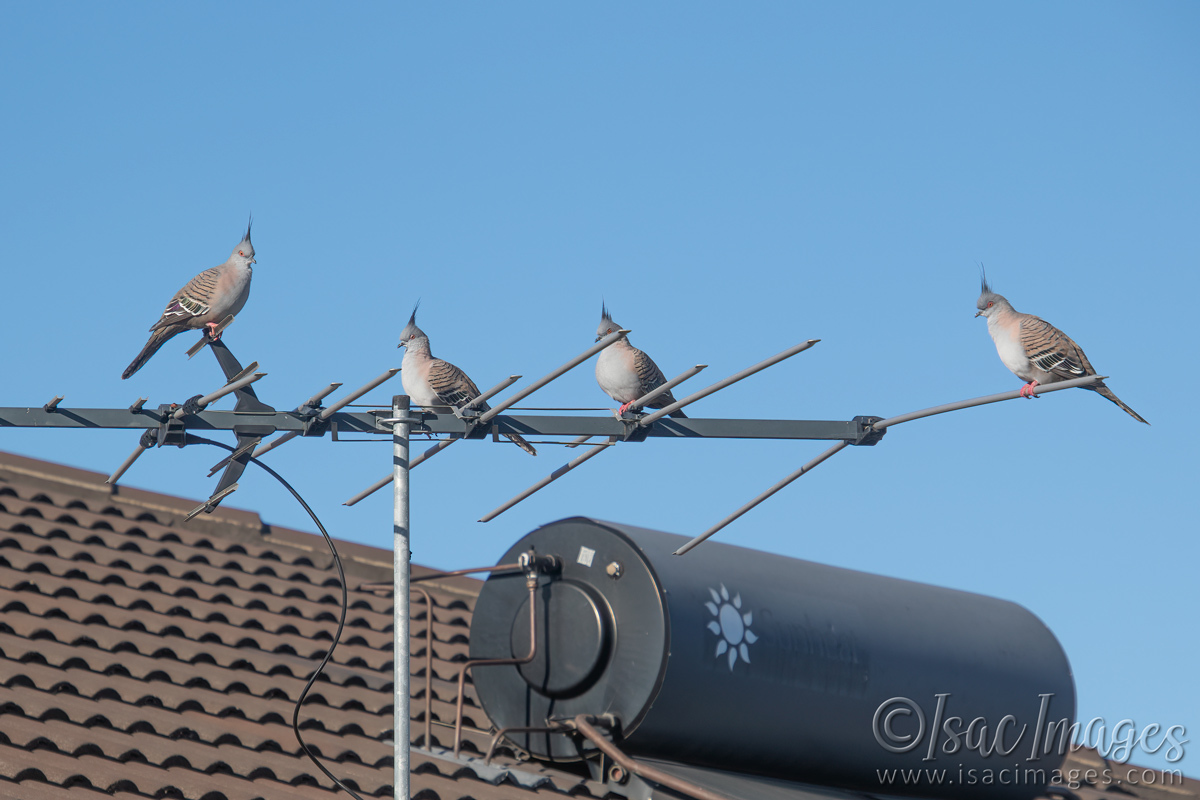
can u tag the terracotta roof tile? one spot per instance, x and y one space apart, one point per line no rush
137 655
38 536
34 790
75 575
142 657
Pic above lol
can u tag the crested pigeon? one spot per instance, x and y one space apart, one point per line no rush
433 381
1035 350
203 302
626 373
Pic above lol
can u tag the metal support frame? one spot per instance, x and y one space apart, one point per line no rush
252 420
173 420
400 597
553 476
428 662
876 427
583 723
650 419
532 566
431 424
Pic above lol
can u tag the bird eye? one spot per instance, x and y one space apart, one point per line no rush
990 304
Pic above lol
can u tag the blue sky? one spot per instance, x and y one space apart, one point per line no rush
731 182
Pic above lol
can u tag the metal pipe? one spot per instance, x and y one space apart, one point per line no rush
577 441
518 729
232 455
348 422
400 596
245 372
210 505
321 395
125 465
210 336
428 662
499 387
455 573
435 576
245 378
431 452
671 384
271 445
531 582
882 425
582 723
327 413
991 398
806 468
570 365
350 398
382 482
370 490
546 481
650 419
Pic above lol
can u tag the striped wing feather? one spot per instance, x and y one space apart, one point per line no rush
1053 351
452 385
193 300
650 377
455 389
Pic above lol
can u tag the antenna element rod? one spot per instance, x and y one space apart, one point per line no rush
980 401
650 419
570 365
806 468
553 476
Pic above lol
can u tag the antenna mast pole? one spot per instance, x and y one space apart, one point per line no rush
400 600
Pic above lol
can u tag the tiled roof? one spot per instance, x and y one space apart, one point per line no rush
141 656
144 657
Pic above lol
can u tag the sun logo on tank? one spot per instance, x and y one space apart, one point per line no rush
731 626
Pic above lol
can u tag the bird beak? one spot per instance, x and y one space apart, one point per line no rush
599 337
977 313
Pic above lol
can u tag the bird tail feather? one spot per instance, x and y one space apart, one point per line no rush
157 340
678 414
1108 394
521 443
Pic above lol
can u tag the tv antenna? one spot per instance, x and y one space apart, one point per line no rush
253 421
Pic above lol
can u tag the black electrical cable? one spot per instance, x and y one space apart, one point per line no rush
193 439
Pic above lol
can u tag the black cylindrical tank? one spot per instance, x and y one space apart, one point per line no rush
741 660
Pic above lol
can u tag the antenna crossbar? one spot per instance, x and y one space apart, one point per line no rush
879 426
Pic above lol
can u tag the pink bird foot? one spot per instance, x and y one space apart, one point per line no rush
1027 391
624 408
213 333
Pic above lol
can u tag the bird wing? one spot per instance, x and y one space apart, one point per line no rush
451 384
192 301
649 376
1053 351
